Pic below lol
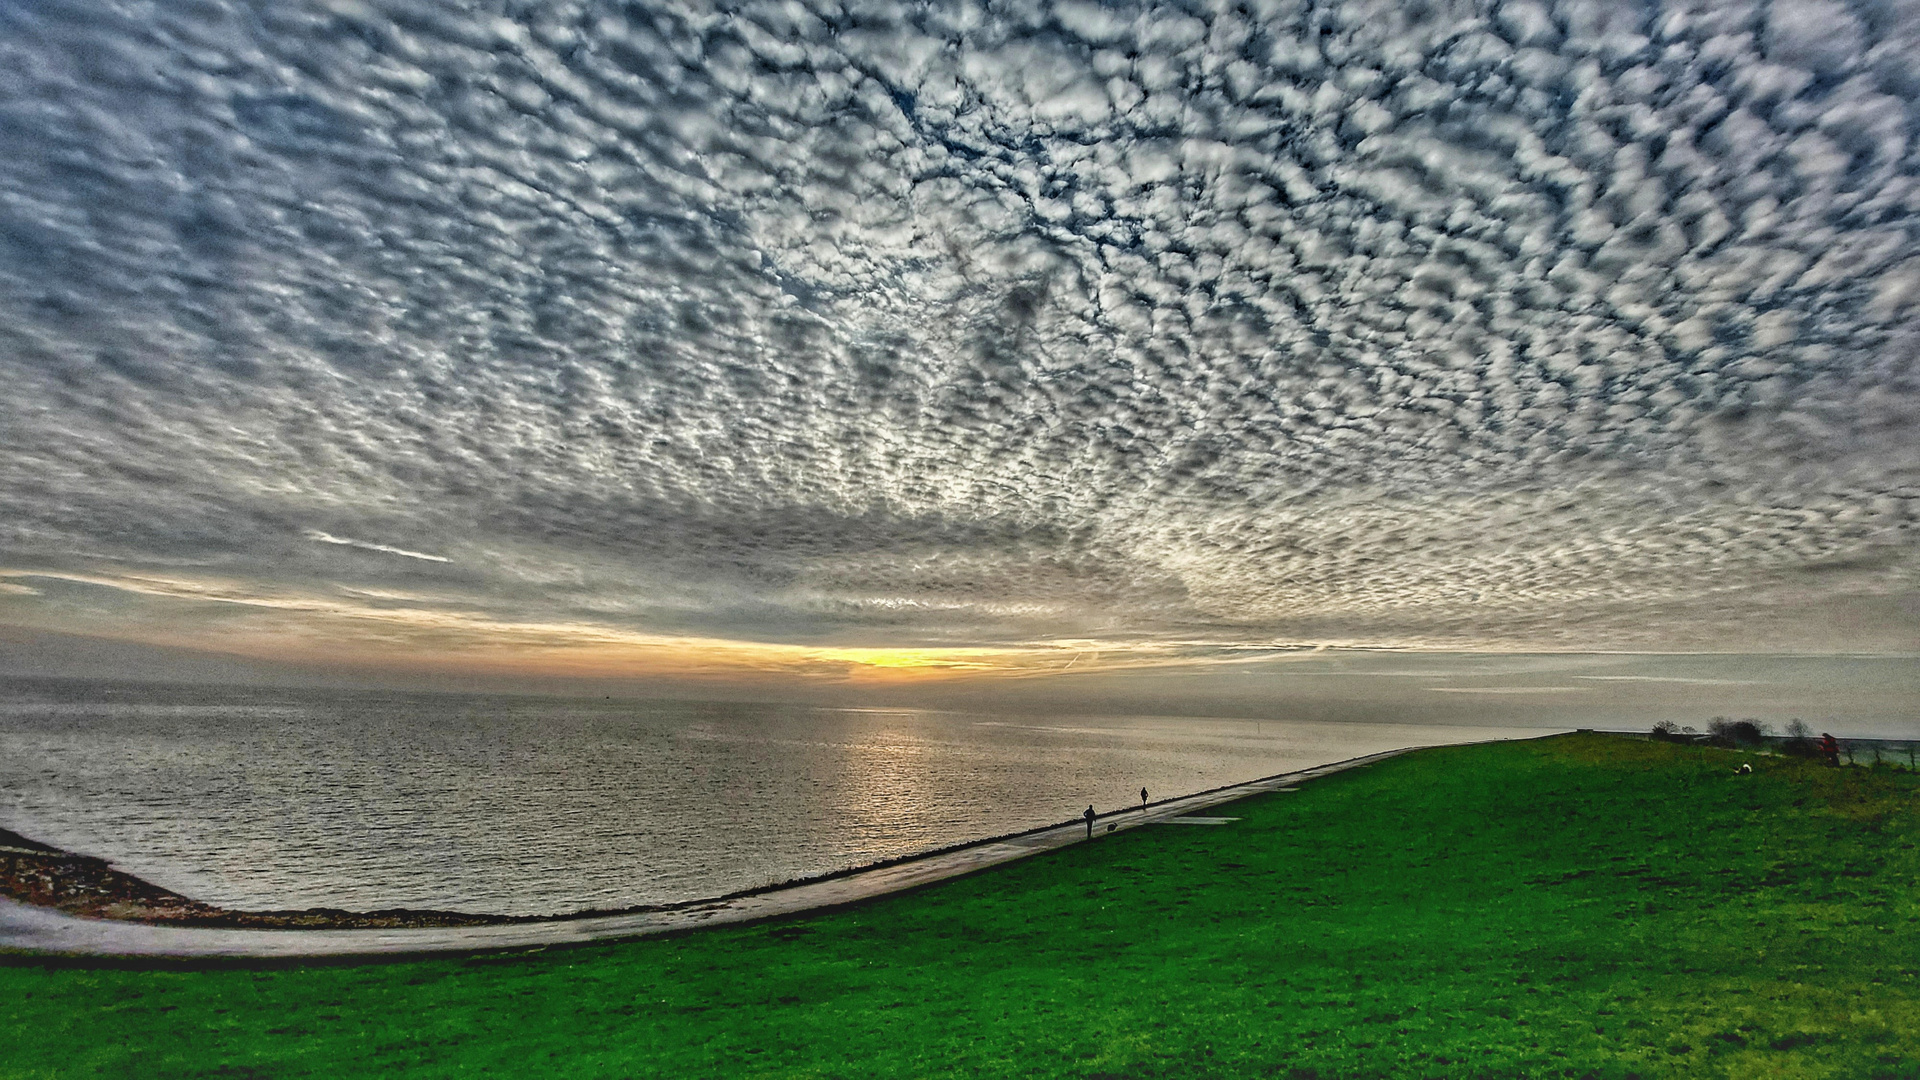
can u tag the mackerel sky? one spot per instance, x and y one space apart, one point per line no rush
638 333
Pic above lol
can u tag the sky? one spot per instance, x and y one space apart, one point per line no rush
871 344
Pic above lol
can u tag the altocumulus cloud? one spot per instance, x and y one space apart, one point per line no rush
1579 324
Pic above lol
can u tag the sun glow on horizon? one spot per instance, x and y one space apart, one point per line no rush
405 632
385 629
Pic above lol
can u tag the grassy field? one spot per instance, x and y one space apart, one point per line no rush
1581 906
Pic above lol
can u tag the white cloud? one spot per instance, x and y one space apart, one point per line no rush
1561 323
1509 689
328 538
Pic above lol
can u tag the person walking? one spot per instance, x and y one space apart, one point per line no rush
1830 748
1089 815
1143 800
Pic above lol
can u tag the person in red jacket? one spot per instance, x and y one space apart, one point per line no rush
1830 747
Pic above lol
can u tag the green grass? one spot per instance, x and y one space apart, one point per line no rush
1581 906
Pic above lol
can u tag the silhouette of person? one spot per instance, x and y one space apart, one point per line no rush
1089 815
1830 747
1143 799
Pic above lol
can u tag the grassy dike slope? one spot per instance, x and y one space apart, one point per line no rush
1579 906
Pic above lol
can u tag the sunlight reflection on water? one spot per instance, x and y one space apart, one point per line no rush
291 799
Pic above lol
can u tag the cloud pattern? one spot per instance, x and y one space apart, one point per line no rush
1547 324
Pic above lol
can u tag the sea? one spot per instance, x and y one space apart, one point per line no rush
271 799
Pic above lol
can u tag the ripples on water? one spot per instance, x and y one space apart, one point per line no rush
292 799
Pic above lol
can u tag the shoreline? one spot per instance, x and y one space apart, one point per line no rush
167 925
84 886
1512 907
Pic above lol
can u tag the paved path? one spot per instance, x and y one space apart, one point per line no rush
42 930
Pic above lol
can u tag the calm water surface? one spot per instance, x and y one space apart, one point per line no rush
292 799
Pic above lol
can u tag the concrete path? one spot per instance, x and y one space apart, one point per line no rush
44 931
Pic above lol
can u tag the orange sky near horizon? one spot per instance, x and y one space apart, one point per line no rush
394 632
398 634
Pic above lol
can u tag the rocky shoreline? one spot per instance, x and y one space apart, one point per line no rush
34 873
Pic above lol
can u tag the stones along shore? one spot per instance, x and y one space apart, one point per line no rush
47 877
